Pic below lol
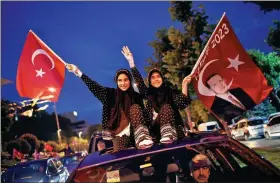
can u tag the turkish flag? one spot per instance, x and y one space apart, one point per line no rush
48 147
226 79
17 154
40 72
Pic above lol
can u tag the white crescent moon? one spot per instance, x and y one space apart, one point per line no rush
203 90
41 51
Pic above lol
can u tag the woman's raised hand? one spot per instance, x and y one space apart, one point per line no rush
128 55
186 81
73 68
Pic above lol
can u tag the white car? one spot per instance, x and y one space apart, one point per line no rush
272 128
209 126
248 128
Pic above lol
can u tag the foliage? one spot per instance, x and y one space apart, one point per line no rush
176 51
93 128
41 146
54 145
261 110
78 144
199 112
13 144
43 125
273 38
270 66
32 140
25 146
266 6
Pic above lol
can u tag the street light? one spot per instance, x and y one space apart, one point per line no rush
80 135
59 135
53 90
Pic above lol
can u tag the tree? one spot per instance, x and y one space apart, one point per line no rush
32 140
93 128
266 6
14 144
176 51
199 112
261 110
270 66
273 38
41 146
25 146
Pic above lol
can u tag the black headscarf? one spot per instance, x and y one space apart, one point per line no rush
121 100
159 96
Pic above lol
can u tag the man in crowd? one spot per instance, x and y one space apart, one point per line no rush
200 168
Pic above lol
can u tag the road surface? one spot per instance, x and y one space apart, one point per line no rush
263 143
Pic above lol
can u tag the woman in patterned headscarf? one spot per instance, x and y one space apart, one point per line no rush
122 110
163 103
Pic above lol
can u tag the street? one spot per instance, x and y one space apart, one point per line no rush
263 143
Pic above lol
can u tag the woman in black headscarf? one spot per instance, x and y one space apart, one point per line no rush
122 110
162 102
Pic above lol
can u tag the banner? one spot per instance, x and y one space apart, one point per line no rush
226 79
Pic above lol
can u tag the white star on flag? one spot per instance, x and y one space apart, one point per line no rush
235 62
40 73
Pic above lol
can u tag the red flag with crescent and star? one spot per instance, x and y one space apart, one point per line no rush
40 72
226 79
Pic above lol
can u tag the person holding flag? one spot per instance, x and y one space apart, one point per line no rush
122 109
163 103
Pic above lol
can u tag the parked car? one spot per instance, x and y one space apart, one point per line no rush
209 126
46 170
71 161
272 128
248 128
231 161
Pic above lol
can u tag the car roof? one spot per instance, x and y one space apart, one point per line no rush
276 116
95 159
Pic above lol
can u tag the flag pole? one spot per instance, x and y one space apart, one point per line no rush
204 49
42 42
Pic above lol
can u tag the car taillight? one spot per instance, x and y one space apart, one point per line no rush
94 174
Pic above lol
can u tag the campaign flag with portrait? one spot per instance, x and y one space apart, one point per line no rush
226 79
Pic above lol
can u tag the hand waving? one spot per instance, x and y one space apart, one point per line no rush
187 80
73 68
128 55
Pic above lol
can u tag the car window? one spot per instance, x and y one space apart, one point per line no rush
241 125
108 143
212 127
274 121
255 122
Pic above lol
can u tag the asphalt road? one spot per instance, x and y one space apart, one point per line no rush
263 143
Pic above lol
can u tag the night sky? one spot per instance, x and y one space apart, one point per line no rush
91 35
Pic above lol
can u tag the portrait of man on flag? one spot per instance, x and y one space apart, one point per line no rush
226 79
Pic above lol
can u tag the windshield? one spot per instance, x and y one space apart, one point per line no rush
255 122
